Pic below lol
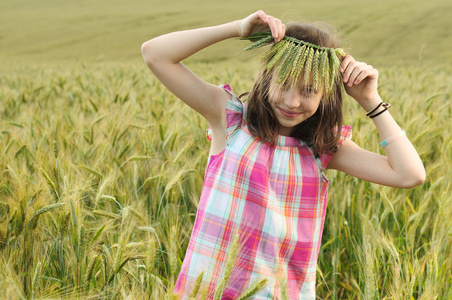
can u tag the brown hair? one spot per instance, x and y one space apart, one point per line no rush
318 130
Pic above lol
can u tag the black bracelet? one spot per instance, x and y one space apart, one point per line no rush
370 112
378 113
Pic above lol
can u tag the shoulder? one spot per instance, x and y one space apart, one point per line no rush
345 134
229 119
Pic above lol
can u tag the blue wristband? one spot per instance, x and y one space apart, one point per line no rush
391 139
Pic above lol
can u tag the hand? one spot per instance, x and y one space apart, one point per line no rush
259 21
360 80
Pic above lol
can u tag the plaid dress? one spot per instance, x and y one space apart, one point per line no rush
274 197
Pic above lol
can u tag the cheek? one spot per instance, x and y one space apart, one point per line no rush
311 104
272 103
274 98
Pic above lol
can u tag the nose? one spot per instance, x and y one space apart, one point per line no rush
292 99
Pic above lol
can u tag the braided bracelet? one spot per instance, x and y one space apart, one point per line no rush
391 139
370 112
386 105
378 113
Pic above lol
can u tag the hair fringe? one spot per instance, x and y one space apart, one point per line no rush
322 130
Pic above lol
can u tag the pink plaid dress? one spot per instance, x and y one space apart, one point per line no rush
275 198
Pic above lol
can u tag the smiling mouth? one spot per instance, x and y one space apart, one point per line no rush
288 114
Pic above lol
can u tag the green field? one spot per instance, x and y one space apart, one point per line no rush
60 31
101 168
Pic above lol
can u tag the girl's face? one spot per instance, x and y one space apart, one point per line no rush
291 107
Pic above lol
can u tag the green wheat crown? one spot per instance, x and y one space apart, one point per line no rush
291 57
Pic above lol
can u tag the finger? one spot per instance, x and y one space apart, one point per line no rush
281 30
345 62
273 28
356 72
260 14
349 68
361 76
369 72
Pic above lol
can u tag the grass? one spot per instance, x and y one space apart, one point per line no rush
101 168
93 206
386 32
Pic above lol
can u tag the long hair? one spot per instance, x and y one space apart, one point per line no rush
323 129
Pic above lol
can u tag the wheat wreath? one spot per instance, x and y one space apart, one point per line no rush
290 58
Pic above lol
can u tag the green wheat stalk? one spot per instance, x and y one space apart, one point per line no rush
43 211
260 42
308 65
89 270
334 68
278 56
197 285
116 262
50 183
315 71
296 63
273 50
301 64
204 292
288 63
34 282
229 267
324 63
253 289
290 56
75 222
172 253
106 214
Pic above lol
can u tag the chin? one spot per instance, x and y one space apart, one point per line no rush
287 128
292 123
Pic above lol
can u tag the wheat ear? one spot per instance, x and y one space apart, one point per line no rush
290 56
197 285
253 289
34 282
228 269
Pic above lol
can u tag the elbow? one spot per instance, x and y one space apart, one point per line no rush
147 52
144 49
415 178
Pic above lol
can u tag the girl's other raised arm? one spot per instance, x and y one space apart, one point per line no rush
164 54
401 167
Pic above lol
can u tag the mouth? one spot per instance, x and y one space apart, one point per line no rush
288 114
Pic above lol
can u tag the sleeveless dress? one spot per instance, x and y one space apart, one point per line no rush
274 197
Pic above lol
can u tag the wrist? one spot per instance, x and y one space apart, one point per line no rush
380 108
237 24
228 30
371 103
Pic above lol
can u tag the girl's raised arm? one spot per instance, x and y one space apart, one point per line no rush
401 167
164 54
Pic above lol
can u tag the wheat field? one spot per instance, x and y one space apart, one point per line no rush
101 169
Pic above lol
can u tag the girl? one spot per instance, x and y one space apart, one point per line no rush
264 177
